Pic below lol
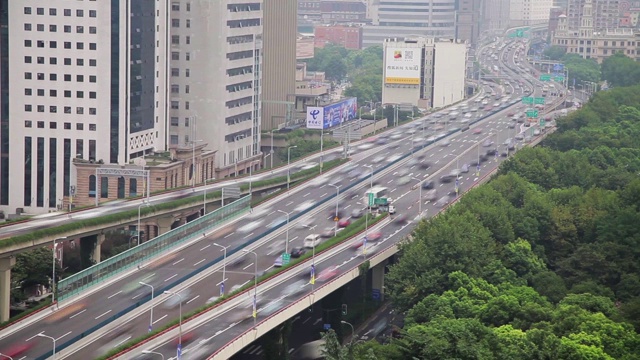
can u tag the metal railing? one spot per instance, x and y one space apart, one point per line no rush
97 273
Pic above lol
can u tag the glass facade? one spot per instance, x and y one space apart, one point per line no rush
67 167
40 173
4 102
141 83
28 163
114 132
53 153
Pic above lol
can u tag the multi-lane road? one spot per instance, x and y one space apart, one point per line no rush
75 318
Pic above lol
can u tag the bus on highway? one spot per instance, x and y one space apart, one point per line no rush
378 193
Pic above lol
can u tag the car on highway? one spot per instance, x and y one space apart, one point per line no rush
250 226
304 205
487 143
492 152
327 274
477 131
295 288
444 201
175 300
312 240
445 142
431 195
327 232
277 262
344 222
401 219
464 168
511 126
428 184
298 251
212 299
403 180
277 222
445 179
357 213
519 137
16 350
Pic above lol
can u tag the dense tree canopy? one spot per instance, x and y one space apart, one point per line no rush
620 70
543 262
581 69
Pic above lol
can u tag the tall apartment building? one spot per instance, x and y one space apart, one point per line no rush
406 18
424 72
495 14
215 72
279 60
606 13
80 79
529 12
468 20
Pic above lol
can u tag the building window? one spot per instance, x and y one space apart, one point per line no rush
174 121
67 28
79 13
53 125
188 24
40 43
27 92
28 123
67 61
53 44
28 165
104 187
53 77
79 62
40 59
53 61
92 111
53 109
40 11
175 105
175 23
133 187
80 126
92 186
27 43
40 124
67 109
80 78
186 122
79 110
67 45
93 62
53 93
40 92
175 72
67 93
40 27
93 30
175 89
175 55
93 46
79 46
27 76
27 27
175 6
52 12
187 72
92 78
188 40
92 95
93 13
41 108
28 108
27 10
80 29
80 94
92 127
174 139
67 126
27 59
175 40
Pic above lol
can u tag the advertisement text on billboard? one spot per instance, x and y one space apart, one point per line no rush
402 66
332 115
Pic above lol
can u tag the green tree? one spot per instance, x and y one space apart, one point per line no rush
555 52
332 349
620 70
581 69
34 267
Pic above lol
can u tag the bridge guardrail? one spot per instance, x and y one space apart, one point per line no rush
97 273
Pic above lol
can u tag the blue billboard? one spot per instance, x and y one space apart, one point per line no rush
332 115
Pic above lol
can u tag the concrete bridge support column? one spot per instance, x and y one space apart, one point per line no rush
97 249
5 286
377 280
164 224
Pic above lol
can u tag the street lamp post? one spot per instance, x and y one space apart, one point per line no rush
289 164
53 278
366 218
266 156
224 267
352 330
271 152
286 243
153 352
138 228
255 284
193 163
52 339
335 232
179 320
419 195
204 197
152 290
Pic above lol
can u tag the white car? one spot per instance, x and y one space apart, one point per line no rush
312 241
250 226
304 205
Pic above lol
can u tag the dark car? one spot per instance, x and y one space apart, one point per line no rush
401 219
332 212
483 158
296 252
492 152
447 178
424 165
428 184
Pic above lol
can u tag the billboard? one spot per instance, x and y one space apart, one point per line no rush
324 117
402 66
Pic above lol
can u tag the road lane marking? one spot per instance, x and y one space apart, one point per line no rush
103 314
323 195
248 235
205 247
171 277
348 206
159 319
152 275
197 296
226 236
65 334
246 267
112 295
289 203
221 281
304 322
121 342
307 194
177 262
293 239
78 313
199 262
244 283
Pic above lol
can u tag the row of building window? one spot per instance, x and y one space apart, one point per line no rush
175 55
54 45
54 125
54 12
176 23
67 93
54 77
54 61
67 28
175 6
175 121
175 105
175 40
175 72
54 109
175 89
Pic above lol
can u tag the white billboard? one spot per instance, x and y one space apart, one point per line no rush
315 117
402 66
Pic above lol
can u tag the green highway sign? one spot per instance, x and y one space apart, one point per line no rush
370 199
380 201
527 100
558 78
545 77
538 100
520 33
542 123
286 258
532 113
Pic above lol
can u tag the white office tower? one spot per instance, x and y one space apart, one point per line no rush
423 72
410 18
215 76
82 79
529 12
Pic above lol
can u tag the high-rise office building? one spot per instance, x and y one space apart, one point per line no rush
406 18
468 20
495 14
279 60
529 12
80 79
215 72
606 13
